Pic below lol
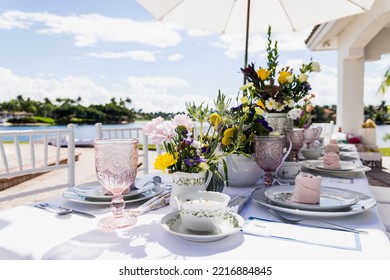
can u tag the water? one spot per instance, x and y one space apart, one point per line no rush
381 130
82 132
88 132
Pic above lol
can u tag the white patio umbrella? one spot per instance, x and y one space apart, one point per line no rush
244 16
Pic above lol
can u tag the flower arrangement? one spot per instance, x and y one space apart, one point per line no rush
279 90
247 121
182 151
301 115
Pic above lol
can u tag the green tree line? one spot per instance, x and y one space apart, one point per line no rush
67 110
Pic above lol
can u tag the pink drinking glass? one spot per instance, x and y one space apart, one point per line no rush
269 155
116 163
297 136
312 134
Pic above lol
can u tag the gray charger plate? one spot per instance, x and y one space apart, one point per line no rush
365 203
331 199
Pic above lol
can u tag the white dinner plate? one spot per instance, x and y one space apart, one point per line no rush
75 197
344 166
232 223
94 190
331 199
311 164
365 203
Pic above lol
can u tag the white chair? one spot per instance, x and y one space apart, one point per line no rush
127 132
327 130
28 153
382 196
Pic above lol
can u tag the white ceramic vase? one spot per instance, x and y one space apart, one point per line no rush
188 182
243 171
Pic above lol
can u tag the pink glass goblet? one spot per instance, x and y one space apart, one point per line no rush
310 137
116 163
297 137
312 134
269 155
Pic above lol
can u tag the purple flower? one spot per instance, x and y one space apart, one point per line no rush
193 161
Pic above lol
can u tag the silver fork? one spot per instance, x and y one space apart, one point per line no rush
297 221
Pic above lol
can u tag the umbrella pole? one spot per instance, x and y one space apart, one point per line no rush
247 35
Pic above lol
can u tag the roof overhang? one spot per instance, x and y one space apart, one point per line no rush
324 36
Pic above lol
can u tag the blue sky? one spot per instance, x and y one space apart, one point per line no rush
99 49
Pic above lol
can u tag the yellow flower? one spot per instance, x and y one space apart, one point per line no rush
229 132
284 77
244 100
163 161
259 111
215 118
260 103
226 141
263 74
204 166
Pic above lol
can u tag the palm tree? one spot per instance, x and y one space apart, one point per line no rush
385 83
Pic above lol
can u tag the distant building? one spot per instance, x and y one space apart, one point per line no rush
6 115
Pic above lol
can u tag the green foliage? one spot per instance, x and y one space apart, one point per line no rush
385 151
385 83
47 120
66 110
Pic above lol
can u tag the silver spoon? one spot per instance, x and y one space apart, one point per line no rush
157 179
61 211
296 221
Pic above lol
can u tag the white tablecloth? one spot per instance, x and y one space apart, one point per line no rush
27 232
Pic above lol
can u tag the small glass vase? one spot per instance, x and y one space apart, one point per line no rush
279 121
297 137
217 183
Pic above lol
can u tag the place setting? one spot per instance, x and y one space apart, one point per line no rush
308 198
346 168
202 216
94 192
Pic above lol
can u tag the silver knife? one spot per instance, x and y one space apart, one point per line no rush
62 210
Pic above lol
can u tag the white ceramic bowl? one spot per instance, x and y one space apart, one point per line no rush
289 170
311 153
202 211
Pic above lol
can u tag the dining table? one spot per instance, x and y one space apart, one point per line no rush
31 233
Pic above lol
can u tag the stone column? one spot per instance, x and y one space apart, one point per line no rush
350 96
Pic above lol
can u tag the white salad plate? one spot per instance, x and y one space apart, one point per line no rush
75 197
331 199
231 224
344 166
95 190
365 203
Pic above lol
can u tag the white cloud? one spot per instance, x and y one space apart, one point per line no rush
175 57
151 94
37 88
198 32
167 94
324 86
234 44
135 55
90 29
8 22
